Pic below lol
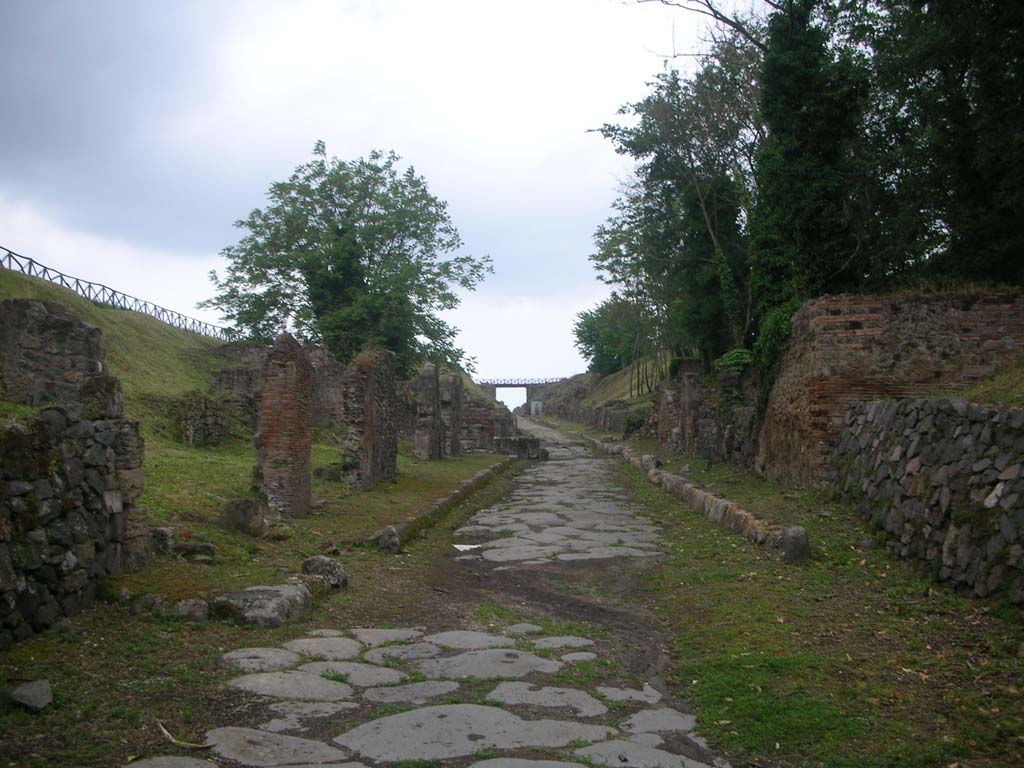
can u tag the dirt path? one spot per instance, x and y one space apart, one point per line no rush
537 656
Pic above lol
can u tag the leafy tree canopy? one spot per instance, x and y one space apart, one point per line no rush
350 254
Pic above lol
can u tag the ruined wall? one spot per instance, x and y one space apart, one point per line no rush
238 384
483 422
329 398
849 348
369 408
285 436
429 430
944 479
451 413
201 421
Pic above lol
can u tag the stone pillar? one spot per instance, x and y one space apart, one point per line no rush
428 414
371 402
451 413
285 437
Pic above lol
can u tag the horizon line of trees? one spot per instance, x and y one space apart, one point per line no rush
821 146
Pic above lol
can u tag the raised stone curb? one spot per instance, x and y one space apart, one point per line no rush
722 512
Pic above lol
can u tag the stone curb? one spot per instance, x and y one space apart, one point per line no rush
724 513
414 524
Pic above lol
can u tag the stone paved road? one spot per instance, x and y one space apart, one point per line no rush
513 696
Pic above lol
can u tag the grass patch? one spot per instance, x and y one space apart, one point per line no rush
1006 387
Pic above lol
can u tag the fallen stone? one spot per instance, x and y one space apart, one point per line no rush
459 730
329 569
573 658
486 664
162 539
292 685
523 629
632 754
193 549
659 721
387 539
361 675
260 749
261 659
329 648
402 652
527 693
564 641
648 695
413 693
264 606
372 637
325 633
245 515
795 545
172 762
35 696
466 640
191 610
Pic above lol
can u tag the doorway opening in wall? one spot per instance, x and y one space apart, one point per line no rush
512 397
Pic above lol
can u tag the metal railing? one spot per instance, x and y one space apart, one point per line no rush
101 294
517 382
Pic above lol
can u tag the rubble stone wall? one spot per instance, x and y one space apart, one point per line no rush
451 413
285 437
369 411
849 348
329 398
429 429
944 480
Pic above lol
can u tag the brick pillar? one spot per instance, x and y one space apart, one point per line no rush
285 437
428 414
451 413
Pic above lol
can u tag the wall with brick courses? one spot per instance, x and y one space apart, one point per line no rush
451 413
849 348
369 409
285 437
944 480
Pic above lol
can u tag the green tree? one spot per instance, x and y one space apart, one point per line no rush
350 254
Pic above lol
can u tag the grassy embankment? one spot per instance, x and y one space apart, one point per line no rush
855 659
113 672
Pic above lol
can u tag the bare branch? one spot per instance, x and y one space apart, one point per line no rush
710 9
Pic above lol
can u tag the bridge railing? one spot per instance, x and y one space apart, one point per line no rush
102 294
517 382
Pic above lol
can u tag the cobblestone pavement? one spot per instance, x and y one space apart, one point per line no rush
518 695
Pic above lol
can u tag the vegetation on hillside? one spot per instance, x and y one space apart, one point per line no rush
819 146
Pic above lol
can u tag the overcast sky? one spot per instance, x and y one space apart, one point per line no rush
135 133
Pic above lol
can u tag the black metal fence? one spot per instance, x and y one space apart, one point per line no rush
101 294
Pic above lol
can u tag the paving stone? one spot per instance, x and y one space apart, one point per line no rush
524 629
459 730
520 553
330 648
490 663
563 641
648 739
648 695
35 696
402 652
632 754
325 633
372 637
172 762
527 693
260 749
465 640
659 721
292 713
261 659
292 685
412 693
361 675
573 658
516 762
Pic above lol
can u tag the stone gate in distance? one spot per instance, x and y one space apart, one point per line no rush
536 390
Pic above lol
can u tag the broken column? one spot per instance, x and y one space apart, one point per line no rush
285 437
427 440
451 413
370 446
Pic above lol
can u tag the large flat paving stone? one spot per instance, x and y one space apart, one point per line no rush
330 648
648 695
293 713
527 693
518 762
659 721
172 762
525 552
459 730
261 659
374 637
259 749
632 754
490 663
466 640
563 641
292 685
361 675
575 658
412 693
401 653
524 629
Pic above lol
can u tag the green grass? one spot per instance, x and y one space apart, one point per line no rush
1006 387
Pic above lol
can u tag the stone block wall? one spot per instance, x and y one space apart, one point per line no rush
849 348
368 413
285 437
200 421
451 413
329 396
483 422
238 384
944 480
429 429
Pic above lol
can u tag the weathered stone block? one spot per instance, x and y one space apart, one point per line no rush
429 428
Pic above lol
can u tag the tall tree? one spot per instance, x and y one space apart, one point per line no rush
350 254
